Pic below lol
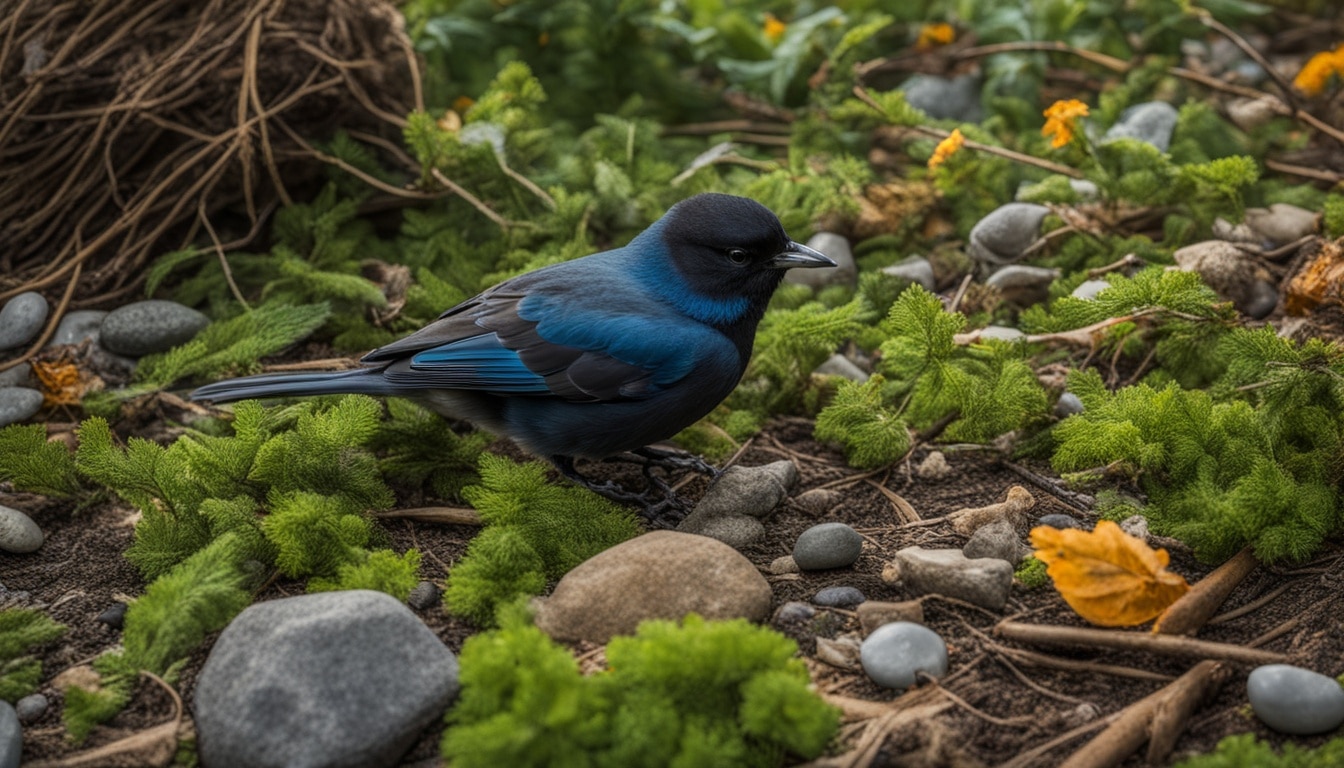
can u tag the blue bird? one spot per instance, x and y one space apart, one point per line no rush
594 357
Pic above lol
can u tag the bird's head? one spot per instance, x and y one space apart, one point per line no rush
729 254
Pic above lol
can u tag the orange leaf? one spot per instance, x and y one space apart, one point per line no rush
1109 577
64 383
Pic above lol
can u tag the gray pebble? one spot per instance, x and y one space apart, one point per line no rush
1264 298
146 327
838 248
21 319
18 533
1061 521
77 326
113 616
782 565
1282 223
793 612
1001 333
1136 526
933 467
942 98
839 365
839 597
1293 700
1088 289
894 653
18 376
1068 404
983 581
818 501
18 403
828 545
737 531
916 269
11 736
31 707
1005 232
1087 190
426 595
1151 121
1022 284
998 540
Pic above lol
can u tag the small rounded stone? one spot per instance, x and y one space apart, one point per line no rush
1293 700
1060 521
77 326
21 319
1088 289
828 545
1068 404
895 652
424 596
839 597
18 403
18 533
146 327
113 616
31 707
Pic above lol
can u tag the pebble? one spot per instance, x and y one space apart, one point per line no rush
18 403
1293 700
338 679
1136 526
782 565
1003 234
660 575
894 653
875 613
1151 122
424 596
1061 522
31 708
18 376
998 540
1282 223
1249 114
1086 190
1001 333
793 612
985 582
1231 273
837 247
1223 229
818 501
828 545
839 365
11 736
942 98
21 319
839 597
916 269
18 533
933 467
1264 298
740 490
1088 289
150 326
1023 285
75 327
114 616
1067 405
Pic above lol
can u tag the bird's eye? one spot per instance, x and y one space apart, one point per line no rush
737 256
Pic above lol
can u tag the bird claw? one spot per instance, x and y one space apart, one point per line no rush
660 457
658 504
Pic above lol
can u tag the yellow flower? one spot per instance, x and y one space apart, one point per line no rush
774 28
934 35
946 148
1059 121
1316 72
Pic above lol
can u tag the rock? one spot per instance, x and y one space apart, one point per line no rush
793 613
1231 273
782 565
894 654
1294 700
31 708
737 531
837 247
1023 285
839 597
740 490
818 501
1088 289
1151 121
1001 333
1006 232
75 327
1061 521
874 613
933 467
483 132
1223 229
1086 190
21 319
841 653
984 582
11 736
942 98
839 365
660 575
328 679
113 616
916 269
18 376
828 545
1264 298
1082 714
150 326
997 540
1067 405
18 403
1249 114
1013 508
424 596
1136 526
18 533
1282 223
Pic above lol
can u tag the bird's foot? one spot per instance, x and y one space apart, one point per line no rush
676 460
658 503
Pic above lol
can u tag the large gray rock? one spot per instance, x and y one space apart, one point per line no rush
146 327
1151 121
332 679
11 736
1005 232
984 581
21 319
660 575
1294 700
943 98
18 403
18 533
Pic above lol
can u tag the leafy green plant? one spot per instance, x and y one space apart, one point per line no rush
1244 750
35 465
20 631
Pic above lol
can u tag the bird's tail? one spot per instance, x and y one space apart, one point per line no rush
364 381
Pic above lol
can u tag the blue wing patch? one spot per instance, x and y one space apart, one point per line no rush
480 362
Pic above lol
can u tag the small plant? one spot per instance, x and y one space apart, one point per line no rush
21 630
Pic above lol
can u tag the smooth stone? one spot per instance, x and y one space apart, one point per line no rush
332 679
782 565
1293 700
424 596
942 98
998 540
895 653
77 327
818 501
737 531
1231 273
21 319
11 736
113 616
1006 232
31 707
793 612
18 403
18 533
916 269
985 582
1067 405
740 490
839 597
827 545
1086 190
18 376
875 613
839 365
1061 521
1151 122
838 248
150 326
1223 229
1022 284
1282 223
933 467
660 575
1249 114
1136 526
1264 298
1088 289
1001 333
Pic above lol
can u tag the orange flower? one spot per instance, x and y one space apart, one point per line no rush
1315 74
774 28
934 35
1059 121
946 148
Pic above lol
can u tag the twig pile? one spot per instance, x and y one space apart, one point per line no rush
126 126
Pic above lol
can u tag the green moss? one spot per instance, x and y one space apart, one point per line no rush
22 630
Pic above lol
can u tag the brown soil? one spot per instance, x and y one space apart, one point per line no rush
1006 706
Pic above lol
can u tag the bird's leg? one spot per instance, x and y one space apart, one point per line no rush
661 457
663 509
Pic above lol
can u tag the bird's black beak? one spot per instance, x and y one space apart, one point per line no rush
799 255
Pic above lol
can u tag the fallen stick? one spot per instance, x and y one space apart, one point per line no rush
1193 610
1157 719
447 515
1167 645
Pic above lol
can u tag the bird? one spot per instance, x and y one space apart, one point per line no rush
592 358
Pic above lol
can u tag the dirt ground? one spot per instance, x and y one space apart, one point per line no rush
1002 707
